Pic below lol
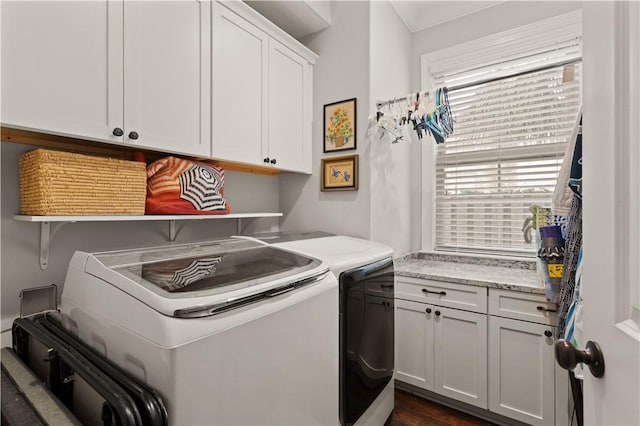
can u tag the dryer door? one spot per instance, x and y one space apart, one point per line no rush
366 336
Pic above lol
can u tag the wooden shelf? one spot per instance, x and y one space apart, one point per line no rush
122 151
49 225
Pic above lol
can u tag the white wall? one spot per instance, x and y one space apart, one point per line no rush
493 20
20 240
341 72
395 168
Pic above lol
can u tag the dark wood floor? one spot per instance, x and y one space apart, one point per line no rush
411 410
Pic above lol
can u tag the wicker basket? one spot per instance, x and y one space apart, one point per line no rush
64 183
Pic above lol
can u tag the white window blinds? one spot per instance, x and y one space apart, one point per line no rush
504 156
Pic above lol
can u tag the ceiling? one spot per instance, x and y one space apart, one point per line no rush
419 15
298 18
303 17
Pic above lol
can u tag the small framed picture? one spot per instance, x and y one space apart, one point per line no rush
340 126
340 173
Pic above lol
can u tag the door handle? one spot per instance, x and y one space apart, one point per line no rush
568 356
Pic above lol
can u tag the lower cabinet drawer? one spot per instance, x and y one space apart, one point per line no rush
522 306
450 295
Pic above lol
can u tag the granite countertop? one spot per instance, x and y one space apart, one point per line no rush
516 275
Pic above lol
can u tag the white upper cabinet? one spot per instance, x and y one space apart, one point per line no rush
112 71
239 91
167 59
262 85
290 91
194 77
62 67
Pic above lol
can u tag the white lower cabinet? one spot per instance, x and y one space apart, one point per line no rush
498 357
521 370
414 344
461 355
443 350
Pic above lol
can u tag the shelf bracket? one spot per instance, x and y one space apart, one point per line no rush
47 231
173 230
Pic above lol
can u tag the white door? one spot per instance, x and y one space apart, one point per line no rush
62 67
521 357
461 355
289 109
414 353
166 75
239 89
611 209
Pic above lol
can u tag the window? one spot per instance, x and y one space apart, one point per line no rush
515 97
509 139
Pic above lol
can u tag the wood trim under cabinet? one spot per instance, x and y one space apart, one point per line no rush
27 137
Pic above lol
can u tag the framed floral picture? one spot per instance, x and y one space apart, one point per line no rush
340 173
340 126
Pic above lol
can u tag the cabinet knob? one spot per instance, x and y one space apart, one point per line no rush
133 135
428 310
273 161
568 356
437 313
548 333
266 159
118 131
543 309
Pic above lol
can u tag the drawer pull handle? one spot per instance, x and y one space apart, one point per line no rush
441 293
543 309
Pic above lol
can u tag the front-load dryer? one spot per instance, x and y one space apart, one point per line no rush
229 332
365 273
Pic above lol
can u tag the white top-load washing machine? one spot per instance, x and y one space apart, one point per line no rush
229 332
365 273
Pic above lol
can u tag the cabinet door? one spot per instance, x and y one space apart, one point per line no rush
239 89
167 59
290 88
461 355
414 344
62 67
521 365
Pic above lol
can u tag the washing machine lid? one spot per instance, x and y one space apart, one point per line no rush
172 279
340 252
286 236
